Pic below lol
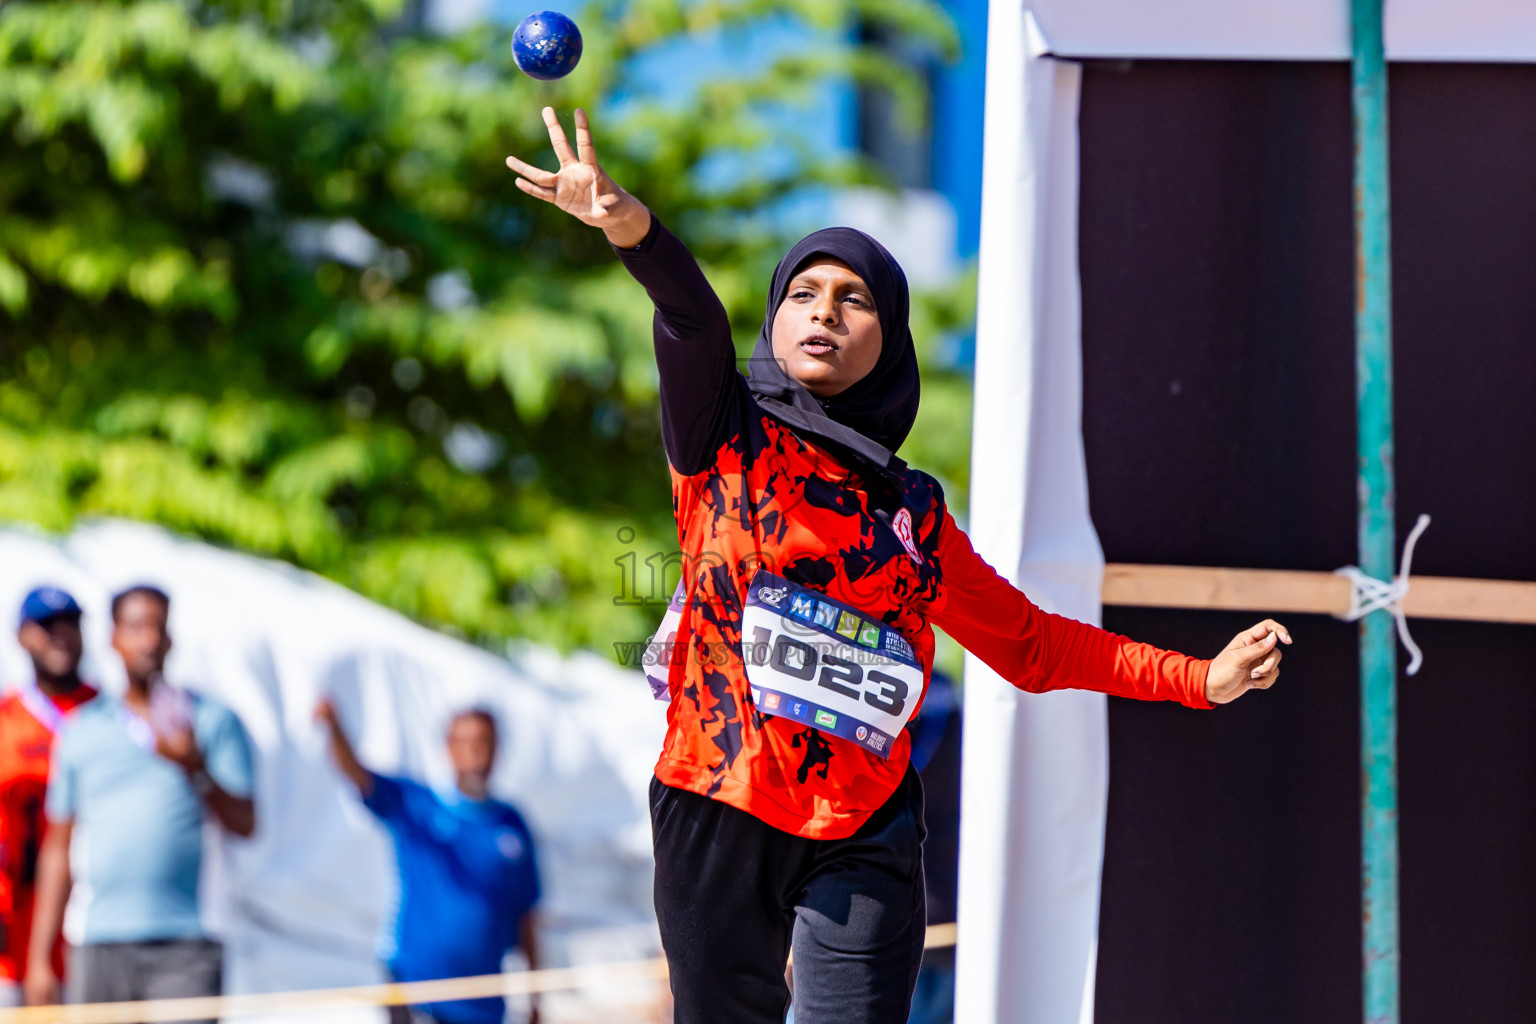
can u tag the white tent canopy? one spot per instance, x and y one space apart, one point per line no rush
1431 30
1035 777
299 905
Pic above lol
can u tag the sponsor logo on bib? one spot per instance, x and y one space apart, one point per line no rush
862 733
772 595
826 719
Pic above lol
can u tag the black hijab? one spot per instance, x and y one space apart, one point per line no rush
871 419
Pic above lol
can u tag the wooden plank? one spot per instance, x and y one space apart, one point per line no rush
1450 597
1317 593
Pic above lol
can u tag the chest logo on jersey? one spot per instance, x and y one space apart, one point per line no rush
901 522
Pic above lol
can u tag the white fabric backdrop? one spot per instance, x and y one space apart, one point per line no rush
1035 775
1465 30
299 905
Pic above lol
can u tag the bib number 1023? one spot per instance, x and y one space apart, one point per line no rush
799 660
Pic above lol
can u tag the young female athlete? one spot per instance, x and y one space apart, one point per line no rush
816 563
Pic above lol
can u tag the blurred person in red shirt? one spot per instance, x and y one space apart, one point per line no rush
49 632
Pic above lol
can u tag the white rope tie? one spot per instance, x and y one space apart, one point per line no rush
1369 594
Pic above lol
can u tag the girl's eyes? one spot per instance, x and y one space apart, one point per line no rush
803 293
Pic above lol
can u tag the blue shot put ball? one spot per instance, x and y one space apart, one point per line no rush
546 45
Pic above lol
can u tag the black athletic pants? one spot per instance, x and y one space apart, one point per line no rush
733 894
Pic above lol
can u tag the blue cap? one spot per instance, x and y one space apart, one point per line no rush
46 603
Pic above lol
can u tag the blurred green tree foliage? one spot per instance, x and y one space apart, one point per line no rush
265 279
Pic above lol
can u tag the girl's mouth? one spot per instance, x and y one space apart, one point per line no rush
818 345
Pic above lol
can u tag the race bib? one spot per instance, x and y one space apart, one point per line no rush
832 667
662 650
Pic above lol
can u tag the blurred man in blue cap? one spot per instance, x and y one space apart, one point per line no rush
30 715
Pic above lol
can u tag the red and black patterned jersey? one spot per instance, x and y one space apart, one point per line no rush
751 495
773 502
26 743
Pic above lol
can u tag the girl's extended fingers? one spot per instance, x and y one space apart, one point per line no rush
584 148
538 191
1264 667
557 137
1271 626
1254 634
1251 654
1258 632
537 175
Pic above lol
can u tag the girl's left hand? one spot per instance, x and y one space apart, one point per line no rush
1250 662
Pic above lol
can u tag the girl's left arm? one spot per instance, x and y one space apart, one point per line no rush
1038 651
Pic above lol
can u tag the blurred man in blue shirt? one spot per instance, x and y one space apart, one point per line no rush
468 879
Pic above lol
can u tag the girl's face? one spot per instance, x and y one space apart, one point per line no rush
826 332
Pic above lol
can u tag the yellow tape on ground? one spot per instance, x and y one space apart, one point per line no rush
554 979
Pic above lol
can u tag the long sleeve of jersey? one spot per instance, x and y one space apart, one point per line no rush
1038 651
694 353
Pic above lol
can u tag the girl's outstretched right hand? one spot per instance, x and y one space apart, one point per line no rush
1250 662
581 188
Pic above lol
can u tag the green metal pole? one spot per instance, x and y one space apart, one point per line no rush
1373 392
